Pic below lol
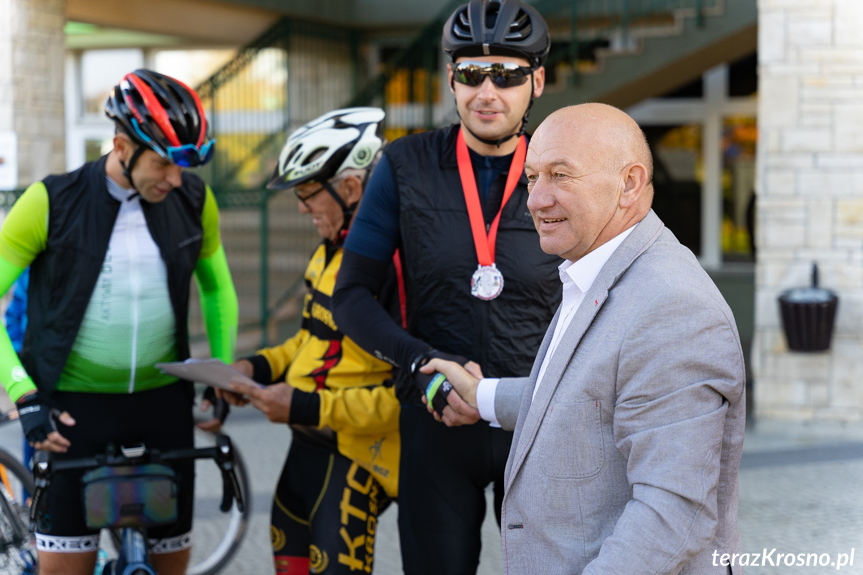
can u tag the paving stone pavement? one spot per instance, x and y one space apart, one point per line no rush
801 492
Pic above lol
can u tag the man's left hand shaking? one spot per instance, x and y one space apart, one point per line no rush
274 400
461 408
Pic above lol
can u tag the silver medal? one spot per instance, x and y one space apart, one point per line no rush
486 283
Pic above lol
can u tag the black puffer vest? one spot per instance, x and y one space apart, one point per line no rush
80 221
439 258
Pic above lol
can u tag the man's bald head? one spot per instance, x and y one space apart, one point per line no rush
617 139
590 172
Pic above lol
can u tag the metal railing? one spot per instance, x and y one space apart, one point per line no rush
8 199
291 74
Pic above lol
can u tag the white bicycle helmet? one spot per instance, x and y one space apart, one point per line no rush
324 147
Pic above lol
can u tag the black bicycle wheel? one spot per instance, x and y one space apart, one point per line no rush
17 543
216 535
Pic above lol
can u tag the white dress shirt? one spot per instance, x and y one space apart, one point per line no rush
577 278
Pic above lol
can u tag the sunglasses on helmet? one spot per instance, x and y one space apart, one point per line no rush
189 155
186 156
502 74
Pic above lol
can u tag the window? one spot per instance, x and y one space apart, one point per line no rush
101 70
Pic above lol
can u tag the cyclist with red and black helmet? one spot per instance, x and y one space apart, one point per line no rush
112 249
478 286
162 114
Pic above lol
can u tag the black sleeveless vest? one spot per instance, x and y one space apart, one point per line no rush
62 278
439 258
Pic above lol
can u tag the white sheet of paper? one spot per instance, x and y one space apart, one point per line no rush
213 372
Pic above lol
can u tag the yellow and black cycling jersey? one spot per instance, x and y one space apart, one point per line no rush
344 395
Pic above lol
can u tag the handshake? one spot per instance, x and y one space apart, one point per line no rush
437 374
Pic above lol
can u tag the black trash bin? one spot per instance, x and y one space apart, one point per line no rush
808 315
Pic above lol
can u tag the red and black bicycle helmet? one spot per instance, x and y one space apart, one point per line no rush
163 114
497 28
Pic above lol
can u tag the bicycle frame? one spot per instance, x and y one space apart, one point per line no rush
15 538
16 541
19 529
133 559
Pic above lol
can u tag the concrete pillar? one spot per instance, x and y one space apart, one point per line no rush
810 201
716 93
31 84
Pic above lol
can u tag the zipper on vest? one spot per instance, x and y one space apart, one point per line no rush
484 310
135 281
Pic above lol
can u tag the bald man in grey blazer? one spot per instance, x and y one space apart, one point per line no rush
629 429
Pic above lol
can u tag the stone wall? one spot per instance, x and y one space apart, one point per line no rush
810 201
31 84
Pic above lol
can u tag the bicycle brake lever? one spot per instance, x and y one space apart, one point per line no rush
231 491
41 477
230 484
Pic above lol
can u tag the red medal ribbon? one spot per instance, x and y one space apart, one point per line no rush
485 243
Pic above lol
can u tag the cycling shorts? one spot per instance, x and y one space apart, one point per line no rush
160 419
324 515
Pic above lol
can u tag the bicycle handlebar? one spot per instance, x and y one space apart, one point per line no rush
50 466
44 467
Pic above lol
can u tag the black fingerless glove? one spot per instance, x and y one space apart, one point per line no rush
38 417
434 386
221 408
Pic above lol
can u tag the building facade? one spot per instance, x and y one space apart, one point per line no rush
810 202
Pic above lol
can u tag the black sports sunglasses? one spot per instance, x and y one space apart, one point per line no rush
502 74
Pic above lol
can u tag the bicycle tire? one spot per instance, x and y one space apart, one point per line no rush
233 536
17 543
217 558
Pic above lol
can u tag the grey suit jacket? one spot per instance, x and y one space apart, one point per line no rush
626 460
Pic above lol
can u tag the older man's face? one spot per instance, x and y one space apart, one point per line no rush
573 196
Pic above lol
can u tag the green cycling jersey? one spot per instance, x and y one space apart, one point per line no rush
128 325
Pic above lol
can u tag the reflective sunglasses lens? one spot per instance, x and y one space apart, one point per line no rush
469 75
508 78
189 156
502 75
184 157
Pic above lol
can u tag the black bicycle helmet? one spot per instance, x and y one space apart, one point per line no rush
497 27
163 114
